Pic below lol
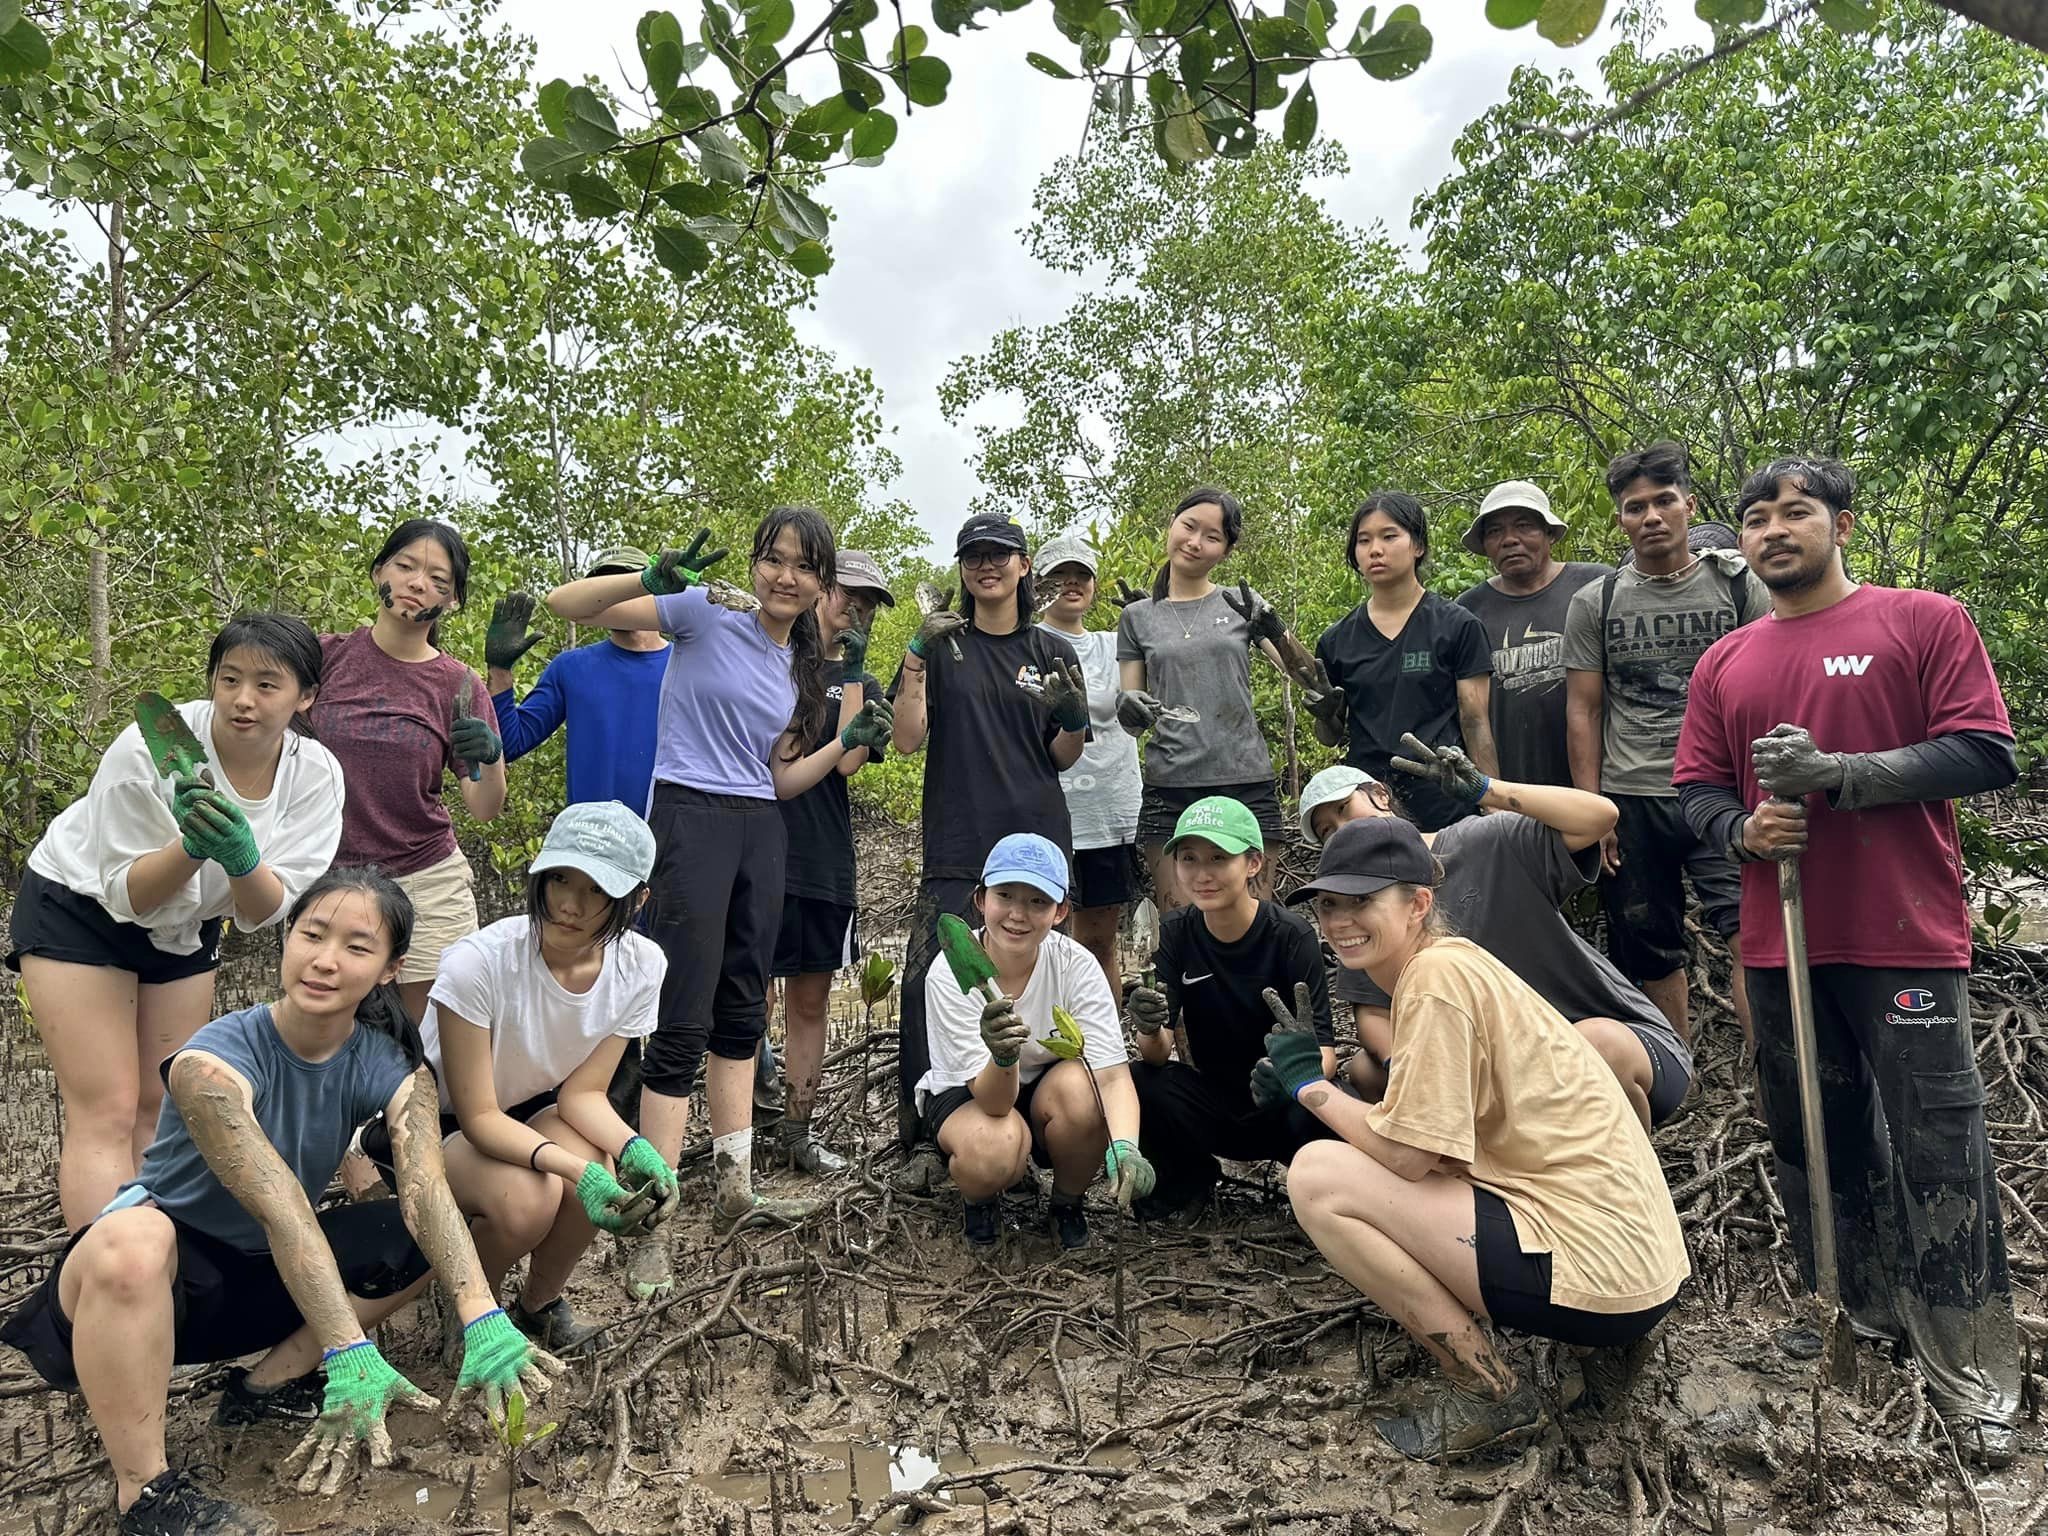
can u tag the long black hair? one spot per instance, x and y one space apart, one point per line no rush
411 531
1402 509
381 1010
1233 526
288 641
806 642
1027 597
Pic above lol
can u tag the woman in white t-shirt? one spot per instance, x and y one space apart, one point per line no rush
525 1024
116 928
994 1096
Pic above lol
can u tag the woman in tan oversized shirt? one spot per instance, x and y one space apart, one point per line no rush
1503 1176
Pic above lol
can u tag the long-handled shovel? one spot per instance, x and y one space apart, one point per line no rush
1838 1338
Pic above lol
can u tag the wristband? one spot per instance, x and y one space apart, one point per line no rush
533 1157
342 1349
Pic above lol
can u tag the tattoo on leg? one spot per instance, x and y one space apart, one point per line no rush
1471 1241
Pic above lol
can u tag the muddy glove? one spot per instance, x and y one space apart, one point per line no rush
472 742
1130 1175
1448 768
1146 1010
1256 612
853 655
1787 763
643 1168
676 570
187 792
497 1359
1003 1032
609 1204
1328 707
940 624
1126 594
1066 691
1291 1046
870 728
508 638
1137 711
215 828
361 1387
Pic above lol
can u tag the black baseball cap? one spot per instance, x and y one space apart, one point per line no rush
989 528
1369 855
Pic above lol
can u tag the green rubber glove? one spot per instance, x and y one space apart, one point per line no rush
870 728
472 741
215 828
1291 1045
497 1360
1130 1174
609 1204
508 638
361 1387
645 1171
676 570
186 793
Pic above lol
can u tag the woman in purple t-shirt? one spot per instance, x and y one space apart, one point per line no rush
743 697
399 713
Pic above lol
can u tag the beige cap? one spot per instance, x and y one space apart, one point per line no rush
1511 494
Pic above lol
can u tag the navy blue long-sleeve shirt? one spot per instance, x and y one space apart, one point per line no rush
611 700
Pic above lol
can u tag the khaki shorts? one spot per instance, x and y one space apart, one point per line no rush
443 910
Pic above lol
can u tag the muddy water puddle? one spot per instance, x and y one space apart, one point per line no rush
833 1472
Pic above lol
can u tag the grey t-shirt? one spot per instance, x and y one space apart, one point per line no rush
307 1109
1525 633
1197 653
1654 633
1505 877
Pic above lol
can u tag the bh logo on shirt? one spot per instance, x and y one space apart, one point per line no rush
1414 662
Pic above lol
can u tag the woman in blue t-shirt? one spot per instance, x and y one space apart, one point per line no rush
743 697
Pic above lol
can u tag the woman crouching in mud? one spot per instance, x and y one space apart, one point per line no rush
1503 1178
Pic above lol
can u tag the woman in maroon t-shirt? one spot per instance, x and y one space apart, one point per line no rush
399 713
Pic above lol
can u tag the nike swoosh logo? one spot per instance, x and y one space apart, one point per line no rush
1189 981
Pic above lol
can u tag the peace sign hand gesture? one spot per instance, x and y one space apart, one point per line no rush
1256 612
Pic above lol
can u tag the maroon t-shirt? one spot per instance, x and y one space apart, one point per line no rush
388 722
1883 668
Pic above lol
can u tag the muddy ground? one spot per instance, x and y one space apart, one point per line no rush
869 1374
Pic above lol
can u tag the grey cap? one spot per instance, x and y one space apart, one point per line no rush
857 569
1332 786
1064 549
605 841
620 558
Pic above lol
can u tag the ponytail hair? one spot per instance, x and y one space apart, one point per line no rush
806 641
1233 525
381 1011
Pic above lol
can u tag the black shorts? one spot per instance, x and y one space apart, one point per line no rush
1668 1078
228 1303
1645 901
939 1107
1516 1288
57 923
1105 877
1162 804
817 937
376 1137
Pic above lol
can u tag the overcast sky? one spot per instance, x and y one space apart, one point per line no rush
928 264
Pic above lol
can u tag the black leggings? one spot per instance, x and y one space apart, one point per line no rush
715 907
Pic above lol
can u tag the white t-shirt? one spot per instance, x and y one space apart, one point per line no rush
1066 974
126 813
496 979
1103 787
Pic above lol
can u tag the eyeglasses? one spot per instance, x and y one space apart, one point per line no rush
776 565
986 555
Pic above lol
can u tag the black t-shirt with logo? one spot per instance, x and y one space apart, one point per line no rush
1525 632
820 821
1215 990
1409 683
988 767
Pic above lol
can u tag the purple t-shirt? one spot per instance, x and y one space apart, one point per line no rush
388 723
726 698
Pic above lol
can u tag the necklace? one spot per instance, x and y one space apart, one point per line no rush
1684 570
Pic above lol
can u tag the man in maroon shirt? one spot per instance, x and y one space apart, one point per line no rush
1897 712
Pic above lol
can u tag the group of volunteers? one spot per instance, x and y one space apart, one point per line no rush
1728 697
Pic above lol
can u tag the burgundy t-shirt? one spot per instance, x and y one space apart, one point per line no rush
1882 668
388 722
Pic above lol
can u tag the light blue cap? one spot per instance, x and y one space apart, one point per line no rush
603 839
1025 858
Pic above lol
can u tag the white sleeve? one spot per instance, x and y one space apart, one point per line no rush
307 829
1084 993
952 1024
128 814
464 982
640 1003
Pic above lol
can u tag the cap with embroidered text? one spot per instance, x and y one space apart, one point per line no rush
605 841
1218 819
1025 858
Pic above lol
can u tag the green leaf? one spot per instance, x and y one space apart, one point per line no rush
24 51
1046 66
1513 13
1403 45
594 197
10 13
811 259
1185 142
954 16
797 213
719 154
829 118
859 85
688 105
1727 13
1155 15
1848 15
1197 59
925 80
208 33
1566 22
1298 131
591 126
678 250
550 163
768 21
872 135
694 199
660 37
909 44
554 107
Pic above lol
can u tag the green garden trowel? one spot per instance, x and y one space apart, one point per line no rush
173 748
968 961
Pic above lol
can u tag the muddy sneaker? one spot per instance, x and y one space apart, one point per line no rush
650 1266
554 1327
1986 1442
982 1222
1458 1423
1069 1222
298 1400
764 1212
171 1504
1799 1342
794 1147
922 1172
1610 1376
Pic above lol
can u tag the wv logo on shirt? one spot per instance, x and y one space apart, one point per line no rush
1845 666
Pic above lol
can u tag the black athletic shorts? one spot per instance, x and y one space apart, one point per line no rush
1516 1288
57 923
941 1106
1162 804
1668 1079
376 1137
228 1303
1105 877
1645 900
817 937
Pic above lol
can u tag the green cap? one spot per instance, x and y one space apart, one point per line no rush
1227 823
620 558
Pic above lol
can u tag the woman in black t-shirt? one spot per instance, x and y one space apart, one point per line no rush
1404 660
1004 708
